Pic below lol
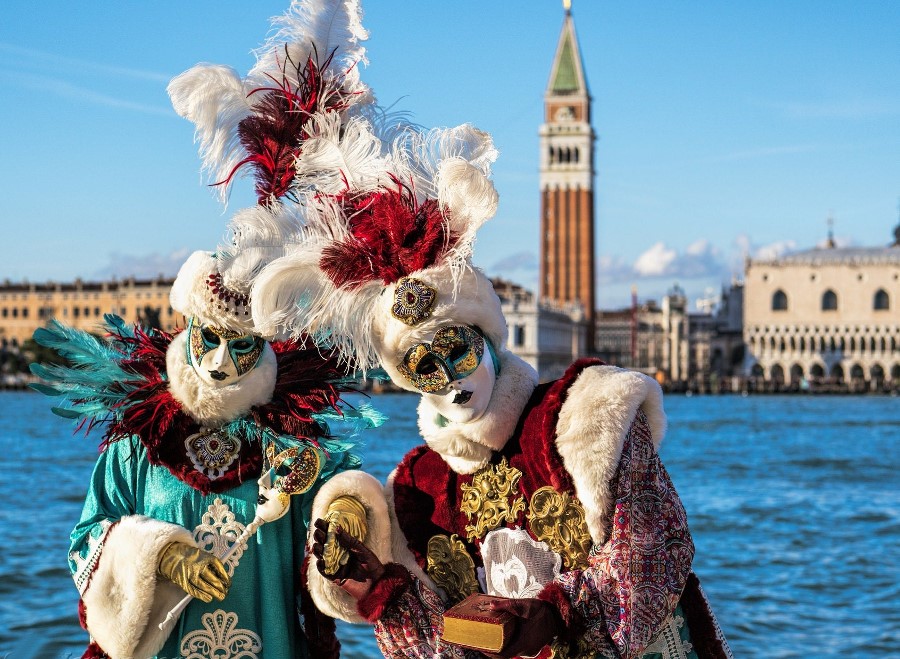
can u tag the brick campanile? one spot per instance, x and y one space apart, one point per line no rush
567 182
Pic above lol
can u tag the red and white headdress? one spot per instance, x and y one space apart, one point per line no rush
380 268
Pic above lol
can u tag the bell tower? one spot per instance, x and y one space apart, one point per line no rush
567 181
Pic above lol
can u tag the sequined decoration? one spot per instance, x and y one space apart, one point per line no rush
558 519
413 300
303 466
491 499
212 452
451 567
237 303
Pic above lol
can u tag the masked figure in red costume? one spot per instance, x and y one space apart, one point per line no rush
550 494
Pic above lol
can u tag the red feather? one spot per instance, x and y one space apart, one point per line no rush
273 136
392 236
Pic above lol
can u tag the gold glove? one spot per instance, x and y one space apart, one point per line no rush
197 572
349 514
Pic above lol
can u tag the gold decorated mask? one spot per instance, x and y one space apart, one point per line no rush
453 354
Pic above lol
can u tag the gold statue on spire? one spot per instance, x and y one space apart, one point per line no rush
567 5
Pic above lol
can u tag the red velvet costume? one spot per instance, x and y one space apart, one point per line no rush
614 601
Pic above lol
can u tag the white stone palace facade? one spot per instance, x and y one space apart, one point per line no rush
824 315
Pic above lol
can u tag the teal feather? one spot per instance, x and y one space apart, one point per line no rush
92 384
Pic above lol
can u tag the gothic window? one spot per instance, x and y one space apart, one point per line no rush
802 344
829 301
852 344
25 312
882 302
520 335
779 301
576 155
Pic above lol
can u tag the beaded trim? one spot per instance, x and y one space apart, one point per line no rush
227 298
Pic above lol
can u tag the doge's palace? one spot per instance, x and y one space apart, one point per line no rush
825 314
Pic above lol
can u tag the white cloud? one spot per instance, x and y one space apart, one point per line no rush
655 261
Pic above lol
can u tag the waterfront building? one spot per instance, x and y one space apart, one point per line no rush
680 348
547 336
24 306
567 183
825 315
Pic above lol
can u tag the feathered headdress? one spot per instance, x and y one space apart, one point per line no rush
306 77
380 266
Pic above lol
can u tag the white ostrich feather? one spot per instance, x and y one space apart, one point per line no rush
338 156
315 28
213 97
257 236
452 165
292 297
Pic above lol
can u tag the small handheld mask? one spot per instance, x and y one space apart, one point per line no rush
220 356
453 354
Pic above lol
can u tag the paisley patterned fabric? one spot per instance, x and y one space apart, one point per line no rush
634 580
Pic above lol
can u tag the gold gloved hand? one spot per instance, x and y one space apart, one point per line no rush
197 572
350 515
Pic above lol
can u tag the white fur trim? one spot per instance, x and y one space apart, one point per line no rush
600 406
125 601
211 406
400 545
192 296
464 298
466 447
329 598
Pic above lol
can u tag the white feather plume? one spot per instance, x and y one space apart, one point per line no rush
338 156
315 28
213 97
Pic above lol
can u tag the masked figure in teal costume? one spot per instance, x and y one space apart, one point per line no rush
191 425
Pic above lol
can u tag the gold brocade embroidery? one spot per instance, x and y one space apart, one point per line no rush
558 519
562 650
451 567
488 498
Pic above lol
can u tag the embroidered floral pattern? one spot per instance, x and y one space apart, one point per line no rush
221 638
217 531
412 627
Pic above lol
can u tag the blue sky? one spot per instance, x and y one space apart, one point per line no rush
725 129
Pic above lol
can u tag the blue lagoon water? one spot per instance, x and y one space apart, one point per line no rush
794 504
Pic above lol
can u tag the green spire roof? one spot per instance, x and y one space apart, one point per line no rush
566 79
567 76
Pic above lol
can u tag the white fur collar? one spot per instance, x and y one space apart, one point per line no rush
590 432
213 407
466 447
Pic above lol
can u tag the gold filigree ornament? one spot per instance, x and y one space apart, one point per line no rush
558 519
451 567
303 467
491 499
413 300
562 650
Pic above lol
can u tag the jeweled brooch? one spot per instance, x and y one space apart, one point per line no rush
413 300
